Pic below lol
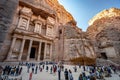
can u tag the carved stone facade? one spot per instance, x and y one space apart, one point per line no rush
42 30
32 38
76 43
31 35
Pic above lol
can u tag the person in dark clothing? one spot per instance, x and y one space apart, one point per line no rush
51 69
80 77
47 68
66 74
43 66
32 69
75 69
84 68
36 69
17 71
59 73
20 71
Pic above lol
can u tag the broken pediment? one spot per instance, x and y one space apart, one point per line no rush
26 11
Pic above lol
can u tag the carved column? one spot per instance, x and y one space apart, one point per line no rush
39 51
28 22
11 48
20 21
45 51
21 50
29 49
50 51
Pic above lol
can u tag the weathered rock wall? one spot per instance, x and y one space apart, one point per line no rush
7 11
76 43
105 29
63 16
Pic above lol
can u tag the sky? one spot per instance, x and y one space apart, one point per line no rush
84 10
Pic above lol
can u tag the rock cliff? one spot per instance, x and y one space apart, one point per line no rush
104 20
62 15
7 11
104 28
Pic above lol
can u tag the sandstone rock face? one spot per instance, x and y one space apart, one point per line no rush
105 29
76 43
102 36
112 12
62 15
7 11
49 10
104 19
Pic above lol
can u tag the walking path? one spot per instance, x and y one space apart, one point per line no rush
47 76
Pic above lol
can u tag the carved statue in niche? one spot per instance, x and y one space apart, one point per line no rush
49 30
38 28
25 14
24 23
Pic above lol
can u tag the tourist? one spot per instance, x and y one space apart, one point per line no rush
59 73
51 69
70 76
40 69
84 76
62 67
32 69
20 71
54 69
66 74
28 68
30 76
75 68
80 77
47 68
17 71
36 69
43 66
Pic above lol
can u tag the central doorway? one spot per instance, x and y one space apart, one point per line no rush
103 55
32 53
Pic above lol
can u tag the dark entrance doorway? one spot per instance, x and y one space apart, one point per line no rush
103 55
42 51
32 53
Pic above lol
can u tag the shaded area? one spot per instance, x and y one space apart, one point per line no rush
83 61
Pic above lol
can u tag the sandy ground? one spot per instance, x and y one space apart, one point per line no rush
47 76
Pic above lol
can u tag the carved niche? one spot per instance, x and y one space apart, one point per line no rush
50 25
25 15
39 22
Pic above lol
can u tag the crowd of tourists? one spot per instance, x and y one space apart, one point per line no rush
99 72
93 72
10 71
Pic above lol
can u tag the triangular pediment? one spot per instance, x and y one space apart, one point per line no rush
32 34
36 35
